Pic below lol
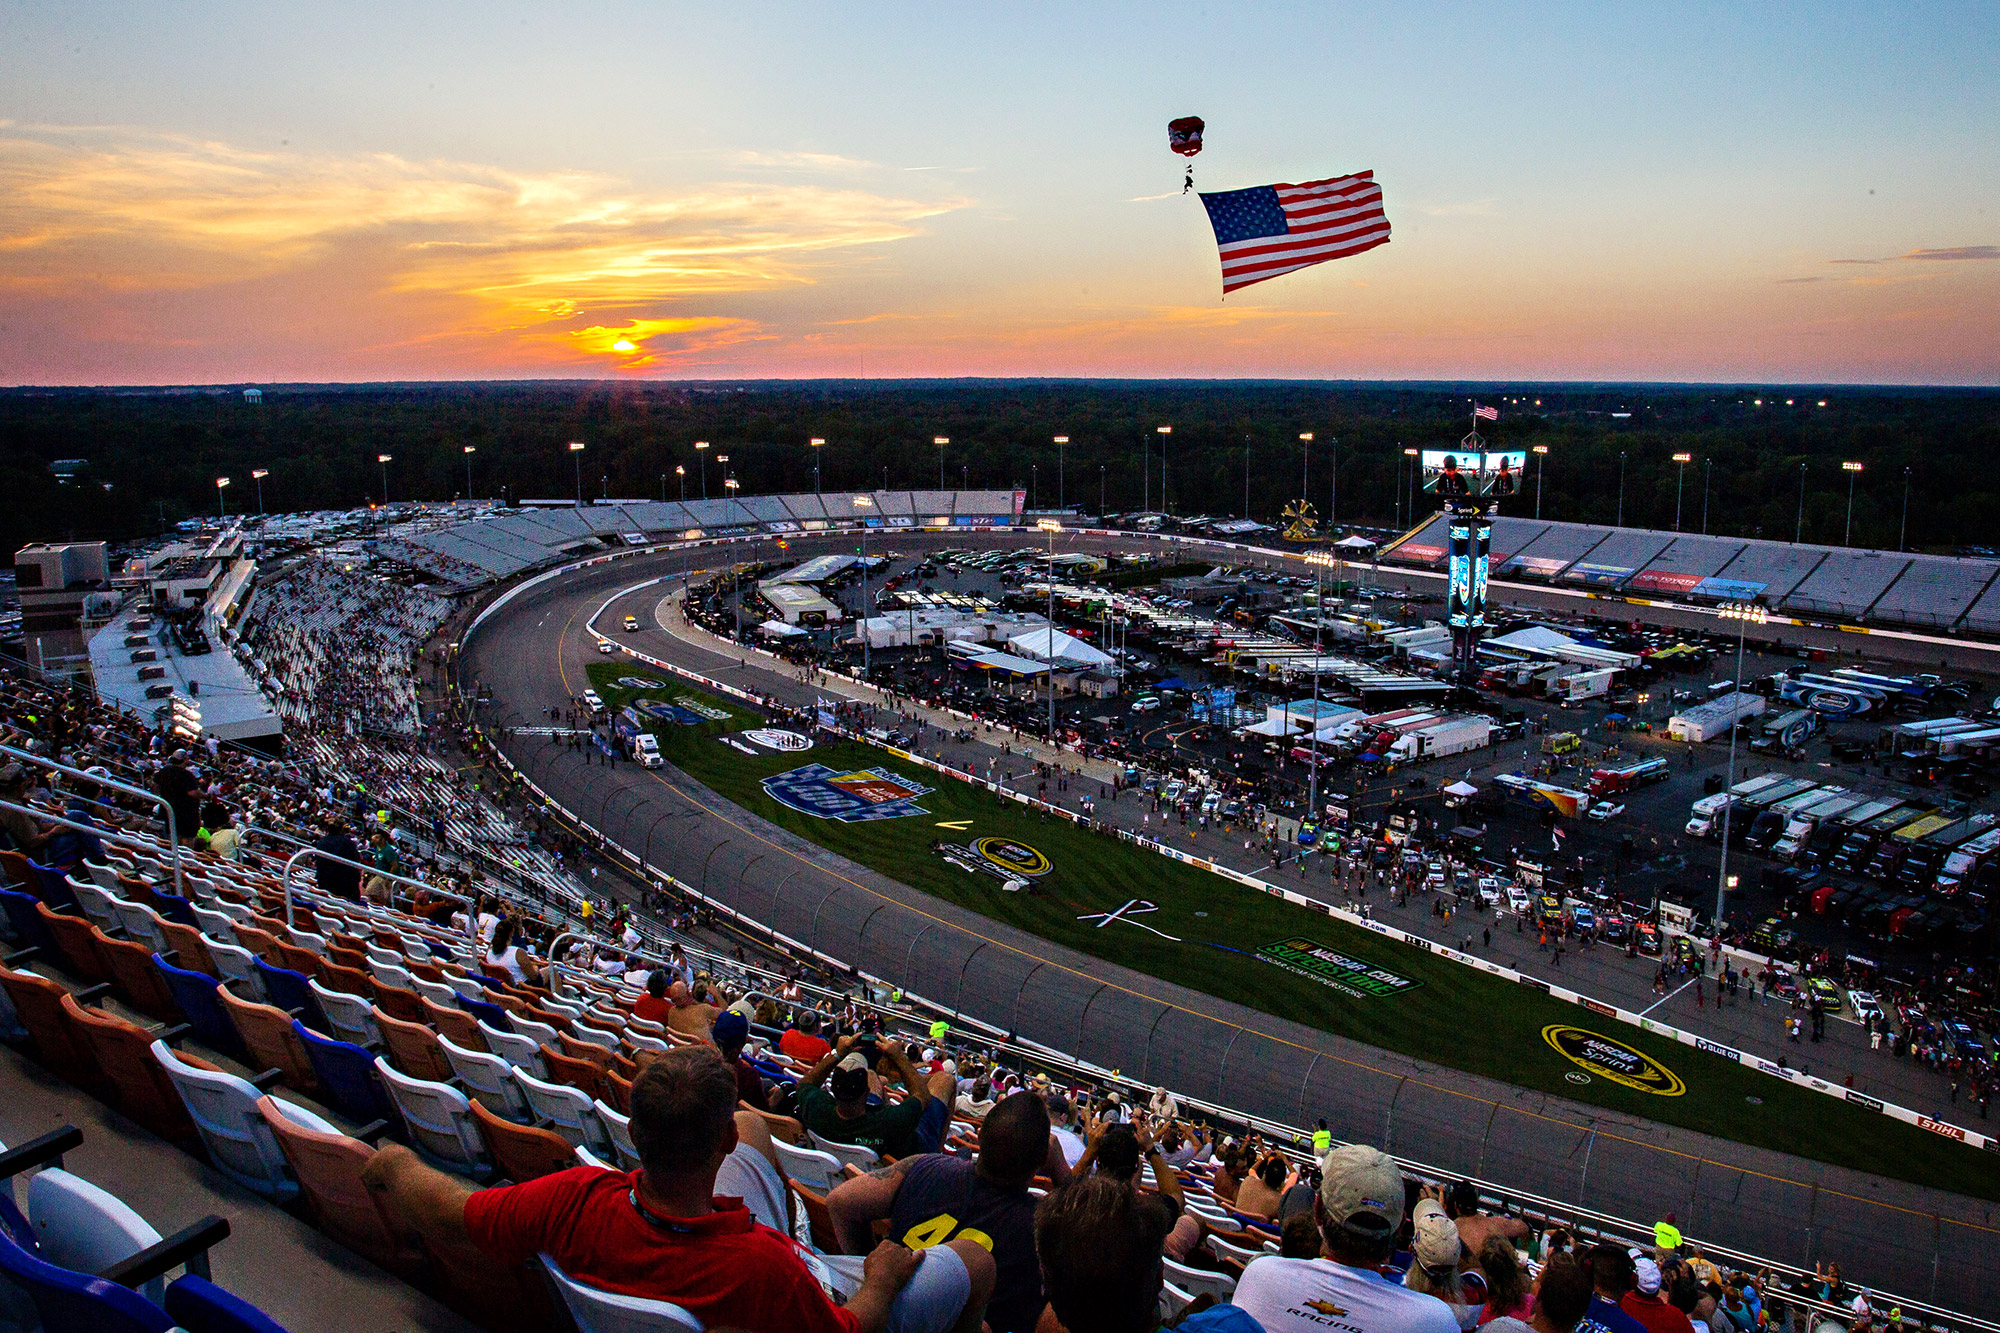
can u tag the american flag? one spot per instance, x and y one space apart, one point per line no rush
1275 229
1486 413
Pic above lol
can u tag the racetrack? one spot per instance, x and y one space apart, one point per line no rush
532 654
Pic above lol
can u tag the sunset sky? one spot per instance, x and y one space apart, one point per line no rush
201 192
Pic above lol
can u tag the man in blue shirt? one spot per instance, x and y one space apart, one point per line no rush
1611 1276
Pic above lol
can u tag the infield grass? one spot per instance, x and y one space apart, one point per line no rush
1453 1015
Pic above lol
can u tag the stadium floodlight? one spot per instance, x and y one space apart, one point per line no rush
1679 482
1853 470
223 513
257 475
1061 441
1541 452
576 456
940 441
817 442
1745 614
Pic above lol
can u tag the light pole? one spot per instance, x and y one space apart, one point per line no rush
1052 528
1707 467
576 457
940 441
701 462
867 658
1164 432
1853 470
1679 482
1332 487
1903 538
1305 465
382 461
817 444
221 510
1541 459
1410 513
469 451
1621 490
681 472
1100 491
722 461
1061 498
257 475
1799 530
1319 561
1745 614
1034 485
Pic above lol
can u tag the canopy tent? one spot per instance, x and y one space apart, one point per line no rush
778 629
1461 789
1050 644
1355 543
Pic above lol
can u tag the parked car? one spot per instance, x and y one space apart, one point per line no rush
1864 1004
1827 992
1605 810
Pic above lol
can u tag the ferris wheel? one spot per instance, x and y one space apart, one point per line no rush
1301 521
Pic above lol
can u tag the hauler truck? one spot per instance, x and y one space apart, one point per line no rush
1438 739
1714 718
1797 837
1626 777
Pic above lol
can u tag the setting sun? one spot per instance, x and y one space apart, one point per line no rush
624 345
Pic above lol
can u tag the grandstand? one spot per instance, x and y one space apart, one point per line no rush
276 1030
1853 585
493 547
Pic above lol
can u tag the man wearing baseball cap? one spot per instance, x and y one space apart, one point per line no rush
1359 1210
1645 1303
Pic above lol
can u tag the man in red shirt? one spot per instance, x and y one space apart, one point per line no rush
661 1233
1646 1306
654 1006
803 1043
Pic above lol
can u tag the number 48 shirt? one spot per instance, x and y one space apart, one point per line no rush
944 1198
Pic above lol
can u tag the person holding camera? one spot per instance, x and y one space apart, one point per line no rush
844 1111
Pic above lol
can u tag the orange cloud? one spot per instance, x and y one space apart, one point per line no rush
486 251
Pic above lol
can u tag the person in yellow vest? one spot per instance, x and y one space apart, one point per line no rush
1322 1141
1667 1236
940 1030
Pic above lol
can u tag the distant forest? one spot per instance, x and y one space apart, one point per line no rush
151 457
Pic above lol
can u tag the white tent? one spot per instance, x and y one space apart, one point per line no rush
778 629
1067 648
1461 789
1355 543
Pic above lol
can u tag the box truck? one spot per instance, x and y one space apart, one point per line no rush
1715 718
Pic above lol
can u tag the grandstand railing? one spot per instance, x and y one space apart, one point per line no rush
307 849
173 832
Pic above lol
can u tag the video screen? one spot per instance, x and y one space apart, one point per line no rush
1451 472
1503 472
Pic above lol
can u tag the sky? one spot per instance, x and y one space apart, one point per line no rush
211 193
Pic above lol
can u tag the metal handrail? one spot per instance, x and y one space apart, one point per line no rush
117 837
173 830
307 849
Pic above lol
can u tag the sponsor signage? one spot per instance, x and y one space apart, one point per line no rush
1655 580
1590 573
1338 971
641 683
1598 1007
1003 858
656 711
1614 1060
1729 590
1726 1052
694 704
1860 1099
1418 551
785 742
859 796
1538 564
1940 1127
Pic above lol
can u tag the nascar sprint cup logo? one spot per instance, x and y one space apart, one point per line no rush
852 798
1613 1060
1013 863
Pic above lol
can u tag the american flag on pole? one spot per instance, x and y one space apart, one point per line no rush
1273 229
1486 413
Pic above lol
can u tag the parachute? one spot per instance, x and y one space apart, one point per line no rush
1184 137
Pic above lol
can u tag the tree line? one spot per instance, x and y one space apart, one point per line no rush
1763 461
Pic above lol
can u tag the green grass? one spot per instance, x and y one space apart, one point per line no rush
1455 1015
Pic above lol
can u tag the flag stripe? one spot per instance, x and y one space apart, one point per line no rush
1324 219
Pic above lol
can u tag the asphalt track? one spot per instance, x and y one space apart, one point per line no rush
1916 1242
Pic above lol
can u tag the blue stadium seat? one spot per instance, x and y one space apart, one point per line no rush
199 1306
52 887
175 908
288 990
347 1078
30 931
495 1015
207 1022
